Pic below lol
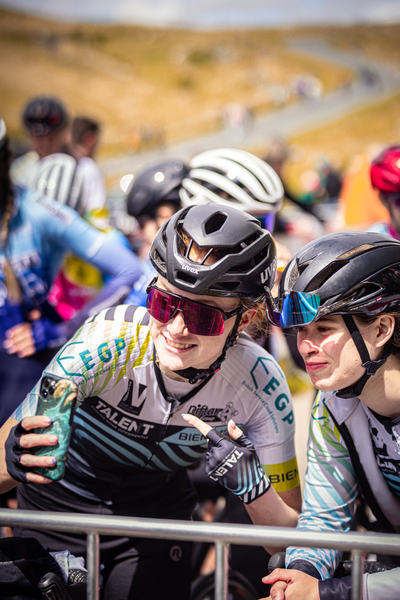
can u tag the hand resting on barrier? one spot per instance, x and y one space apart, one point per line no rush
289 584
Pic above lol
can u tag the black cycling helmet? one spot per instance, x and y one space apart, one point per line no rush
345 273
245 252
351 272
156 184
44 114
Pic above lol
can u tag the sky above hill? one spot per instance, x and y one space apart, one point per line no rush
214 13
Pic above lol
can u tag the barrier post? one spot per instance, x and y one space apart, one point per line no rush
93 566
221 571
357 571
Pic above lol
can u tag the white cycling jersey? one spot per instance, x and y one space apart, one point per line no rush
126 433
347 440
77 183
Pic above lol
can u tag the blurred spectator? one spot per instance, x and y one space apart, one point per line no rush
236 117
307 87
50 166
35 234
152 198
296 218
61 168
85 133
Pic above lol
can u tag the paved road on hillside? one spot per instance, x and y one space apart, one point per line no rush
286 121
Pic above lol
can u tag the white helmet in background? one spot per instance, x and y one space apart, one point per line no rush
234 178
58 177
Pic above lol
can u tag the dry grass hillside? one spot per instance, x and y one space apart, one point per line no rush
131 78
367 130
149 86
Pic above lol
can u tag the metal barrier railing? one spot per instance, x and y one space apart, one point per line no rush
220 534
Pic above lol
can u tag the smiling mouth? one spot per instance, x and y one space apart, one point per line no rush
177 345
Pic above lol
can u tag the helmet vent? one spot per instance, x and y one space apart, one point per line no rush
256 260
159 261
292 275
227 287
186 278
356 251
215 223
368 290
323 275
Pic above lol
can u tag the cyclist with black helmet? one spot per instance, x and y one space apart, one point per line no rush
138 371
342 295
152 197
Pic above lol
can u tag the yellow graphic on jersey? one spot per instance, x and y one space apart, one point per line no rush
82 273
283 476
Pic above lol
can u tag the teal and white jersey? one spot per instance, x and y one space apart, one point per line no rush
332 485
126 433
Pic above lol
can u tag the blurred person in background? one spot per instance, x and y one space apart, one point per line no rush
233 177
85 133
152 198
50 166
61 167
296 219
385 179
36 232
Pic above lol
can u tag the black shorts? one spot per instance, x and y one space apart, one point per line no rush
142 569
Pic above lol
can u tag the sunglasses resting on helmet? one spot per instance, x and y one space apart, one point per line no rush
293 309
200 319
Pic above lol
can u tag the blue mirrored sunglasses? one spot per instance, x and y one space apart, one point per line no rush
293 309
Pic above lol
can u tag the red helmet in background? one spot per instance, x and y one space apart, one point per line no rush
385 170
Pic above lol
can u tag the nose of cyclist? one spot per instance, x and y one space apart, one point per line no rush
177 325
306 345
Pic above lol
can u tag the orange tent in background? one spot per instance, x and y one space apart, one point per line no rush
359 203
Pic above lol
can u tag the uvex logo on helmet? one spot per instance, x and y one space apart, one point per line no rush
191 269
268 272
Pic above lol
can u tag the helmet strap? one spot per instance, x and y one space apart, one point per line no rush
195 375
370 366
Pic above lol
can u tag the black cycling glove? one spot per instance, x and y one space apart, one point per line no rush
14 452
236 466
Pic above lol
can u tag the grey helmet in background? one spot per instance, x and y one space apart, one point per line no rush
234 178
